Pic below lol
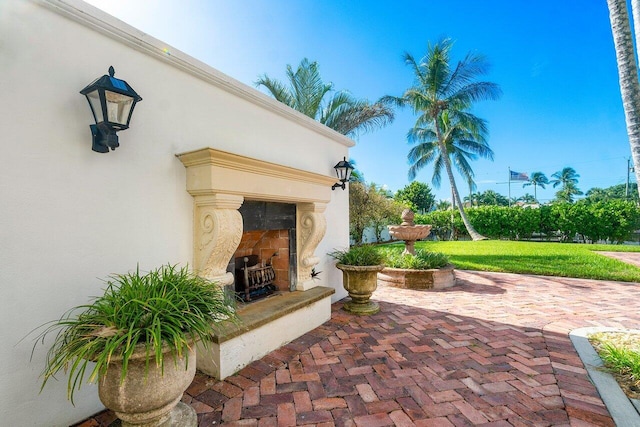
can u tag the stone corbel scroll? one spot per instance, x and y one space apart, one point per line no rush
218 231
311 226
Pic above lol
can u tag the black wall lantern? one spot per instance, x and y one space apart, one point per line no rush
112 101
343 171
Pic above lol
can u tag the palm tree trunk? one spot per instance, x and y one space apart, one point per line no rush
635 12
628 75
456 196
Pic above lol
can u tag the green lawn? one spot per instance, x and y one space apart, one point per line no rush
544 258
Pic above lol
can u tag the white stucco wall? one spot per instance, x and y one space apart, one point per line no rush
69 216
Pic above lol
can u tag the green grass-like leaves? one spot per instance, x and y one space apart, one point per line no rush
543 258
363 255
169 306
620 353
422 260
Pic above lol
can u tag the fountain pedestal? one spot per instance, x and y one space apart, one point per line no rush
409 231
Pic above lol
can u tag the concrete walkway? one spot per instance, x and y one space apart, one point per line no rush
492 351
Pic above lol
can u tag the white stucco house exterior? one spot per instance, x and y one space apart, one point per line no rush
200 145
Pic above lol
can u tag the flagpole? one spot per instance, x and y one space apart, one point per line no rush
509 186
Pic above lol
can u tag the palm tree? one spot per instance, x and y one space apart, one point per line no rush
566 193
566 177
537 179
339 110
443 205
461 146
528 198
627 72
445 130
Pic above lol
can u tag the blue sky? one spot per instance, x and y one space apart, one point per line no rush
554 61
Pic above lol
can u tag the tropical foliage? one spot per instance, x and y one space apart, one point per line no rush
490 198
370 206
616 192
567 179
537 179
306 92
582 221
359 255
417 196
422 260
446 131
443 205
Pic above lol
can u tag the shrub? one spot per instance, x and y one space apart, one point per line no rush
361 255
422 260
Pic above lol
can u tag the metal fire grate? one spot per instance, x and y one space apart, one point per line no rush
254 280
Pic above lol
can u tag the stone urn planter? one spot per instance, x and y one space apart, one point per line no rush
150 395
360 282
436 278
137 341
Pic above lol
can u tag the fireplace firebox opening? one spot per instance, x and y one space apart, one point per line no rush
265 261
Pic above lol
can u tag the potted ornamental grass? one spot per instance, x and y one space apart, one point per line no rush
137 341
360 266
422 270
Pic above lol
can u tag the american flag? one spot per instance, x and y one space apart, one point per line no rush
518 176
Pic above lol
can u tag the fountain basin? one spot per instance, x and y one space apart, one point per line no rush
409 232
437 278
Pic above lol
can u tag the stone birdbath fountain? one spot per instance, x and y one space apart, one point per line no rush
436 278
409 232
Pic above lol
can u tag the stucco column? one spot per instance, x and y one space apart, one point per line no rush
311 227
218 231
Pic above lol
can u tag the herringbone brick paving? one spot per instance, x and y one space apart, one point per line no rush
492 351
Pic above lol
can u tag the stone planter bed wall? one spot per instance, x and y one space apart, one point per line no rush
439 278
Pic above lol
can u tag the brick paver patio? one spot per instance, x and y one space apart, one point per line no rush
492 351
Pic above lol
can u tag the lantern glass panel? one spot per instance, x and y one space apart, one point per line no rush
118 107
341 172
94 102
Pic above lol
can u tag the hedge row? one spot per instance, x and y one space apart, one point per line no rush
610 221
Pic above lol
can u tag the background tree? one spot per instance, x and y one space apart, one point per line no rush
527 198
491 198
417 196
567 192
307 93
386 211
443 205
616 192
567 176
442 96
537 179
370 206
627 72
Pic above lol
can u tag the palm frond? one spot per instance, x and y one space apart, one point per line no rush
276 89
350 116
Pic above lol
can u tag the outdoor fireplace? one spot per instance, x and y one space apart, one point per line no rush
224 184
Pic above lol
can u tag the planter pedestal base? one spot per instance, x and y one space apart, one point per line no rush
182 415
369 307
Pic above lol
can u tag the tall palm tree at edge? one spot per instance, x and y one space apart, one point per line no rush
442 96
627 72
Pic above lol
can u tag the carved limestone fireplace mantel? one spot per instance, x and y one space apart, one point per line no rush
220 182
